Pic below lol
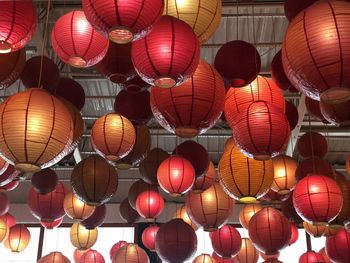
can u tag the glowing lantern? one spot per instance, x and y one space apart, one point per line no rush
75 208
204 258
131 253
331 230
284 174
9 219
54 257
312 144
44 181
78 254
51 225
92 256
149 166
11 66
137 188
149 237
226 241
247 212
295 234
203 182
314 165
149 204
3 229
115 248
96 219
17 239
181 213
128 213
314 230
81 237
248 253
344 214
338 247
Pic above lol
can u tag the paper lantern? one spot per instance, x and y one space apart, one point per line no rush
117 65
78 254
18 24
113 136
219 259
131 253
335 107
311 50
295 234
18 238
149 204
338 247
54 257
344 215
11 67
96 219
176 175
247 212
284 174
277 72
176 241
149 166
193 107
314 165
292 115
313 108
168 55
196 154
261 89
238 62
44 181
266 257
314 230
312 144
149 237
76 42
247 253
202 15
322 252
317 199
39 148
82 238
9 186
209 209
115 248
71 91
331 230
3 229
181 213
137 188
48 207
269 230
273 197
92 256
292 8
9 219
242 178
226 241
204 258
51 225
135 85
94 181
9 174
75 208
203 182
127 213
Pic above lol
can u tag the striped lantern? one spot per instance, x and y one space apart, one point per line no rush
284 174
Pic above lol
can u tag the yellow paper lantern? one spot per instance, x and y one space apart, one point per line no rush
75 208
203 16
204 258
3 229
314 230
81 237
247 213
284 174
181 213
248 253
18 238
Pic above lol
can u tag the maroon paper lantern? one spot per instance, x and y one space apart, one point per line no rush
277 72
219 259
288 209
44 181
127 213
317 198
96 219
293 8
338 247
51 225
335 108
238 62
314 165
11 67
149 237
92 256
72 91
292 115
76 42
149 166
262 131
8 175
192 108
176 241
135 85
269 230
203 182
312 144
4 204
18 24
115 248
10 186
137 188
168 55
226 241
9 219
313 108
149 204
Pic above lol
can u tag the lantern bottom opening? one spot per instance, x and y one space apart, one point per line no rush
319 223
27 167
186 132
112 157
77 61
123 166
120 35
335 95
175 195
237 82
165 82
5 47
283 191
262 156
248 199
118 78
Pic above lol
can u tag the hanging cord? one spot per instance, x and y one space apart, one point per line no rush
237 20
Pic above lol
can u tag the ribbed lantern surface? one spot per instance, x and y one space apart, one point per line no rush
204 258
82 238
127 213
226 241
203 182
314 230
115 248
54 257
17 239
149 237
131 253
96 219
338 247
314 165
51 225
75 208
247 212
248 253
312 144
284 174
92 256
181 213
149 166
149 204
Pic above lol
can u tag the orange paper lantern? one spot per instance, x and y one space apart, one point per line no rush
82 238
131 253
248 253
18 238
284 174
181 213
75 208
247 212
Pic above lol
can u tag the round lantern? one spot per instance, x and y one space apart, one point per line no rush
312 144
117 65
181 213
149 237
54 257
76 42
113 136
323 253
82 238
314 165
204 258
9 186
9 219
3 229
94 181
292 8
314 230
313 108
203 182
42 147
331 230
284 174
344 214
313 49
243 178
9 175
209 209
192 108
41 72
18 24
48 207
128 213
277 72
269 230
131 253
51 225
17 239
71 91
261 89
4 204
78 254
176 241
115 248
219 259
149 166
247 212
75 208
96 219
168 55
44 181
292 115
317 199
149 204
92 256
176 175
248 253
135 85
226 241
11 66
338 247
295 234
137 188
238 62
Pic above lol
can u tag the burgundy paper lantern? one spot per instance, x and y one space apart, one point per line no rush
92 256
137 188
293 8
10 186
269 230
193 107
313 108
292 115
323 253
203 182
335 108
51 224
338 247
44 181
48 207
72 91
219 259
55 257
96 219
18 24
312 144
295 234
277 72
176 241
176 175
127 213
262 131
4 204
149 237
9 219
288 209
317 199
115 248
168 55
149 204
76 42
11 67
135 85
226 241
149 166
314 165
9 175
131 253
238 62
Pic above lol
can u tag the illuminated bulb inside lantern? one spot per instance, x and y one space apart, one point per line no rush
248 199
82 26
4 47
182 3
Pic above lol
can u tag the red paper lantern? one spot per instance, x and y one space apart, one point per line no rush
219 259
115 248
96 219
323 253
149 166
137 188
9 219
176 175
92 256
55 257
238 62
128 213
11 67
8 175
78 254
317 199
51 225
18 238
277 72
269 230
44 181
313 108
176 241
262 131
226 241
72 91
168 55
312 144
149 204
335 108
293 8
314 165
338 247
295 234
18 24
10 186
203 182
192 108
76 42
149 237
4 204
292 115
